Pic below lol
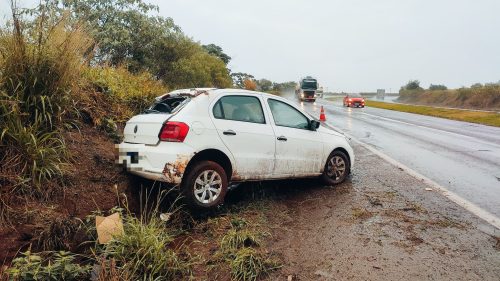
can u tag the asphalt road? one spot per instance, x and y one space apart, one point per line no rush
462 157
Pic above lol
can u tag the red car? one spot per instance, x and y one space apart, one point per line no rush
354 100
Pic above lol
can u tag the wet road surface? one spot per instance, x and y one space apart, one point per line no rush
462 157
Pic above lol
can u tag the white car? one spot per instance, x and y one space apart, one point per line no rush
204 139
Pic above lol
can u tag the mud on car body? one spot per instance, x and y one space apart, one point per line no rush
203 139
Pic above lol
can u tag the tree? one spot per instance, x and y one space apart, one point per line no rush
124 31
285 86
199 70
264 85
239 79
215 50
476 85
250 84
412 85
433 87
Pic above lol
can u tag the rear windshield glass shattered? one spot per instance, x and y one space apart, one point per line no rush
167 104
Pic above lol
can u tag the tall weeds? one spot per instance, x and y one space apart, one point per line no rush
40 62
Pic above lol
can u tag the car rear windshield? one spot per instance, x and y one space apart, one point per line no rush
168 104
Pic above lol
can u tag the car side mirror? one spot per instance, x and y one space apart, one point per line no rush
313 125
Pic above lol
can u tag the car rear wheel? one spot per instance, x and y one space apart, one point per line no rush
337 168
205 185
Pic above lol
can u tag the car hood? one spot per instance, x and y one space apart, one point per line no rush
328 130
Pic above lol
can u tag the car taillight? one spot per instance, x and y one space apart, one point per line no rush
174 131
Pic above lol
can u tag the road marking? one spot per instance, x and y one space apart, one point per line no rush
464 203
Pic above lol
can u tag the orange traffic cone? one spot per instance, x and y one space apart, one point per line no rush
322 116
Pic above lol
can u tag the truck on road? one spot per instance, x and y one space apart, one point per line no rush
306 89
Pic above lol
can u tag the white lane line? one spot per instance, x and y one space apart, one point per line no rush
475 139
464 203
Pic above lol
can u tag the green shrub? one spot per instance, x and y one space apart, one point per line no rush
129 93
57 266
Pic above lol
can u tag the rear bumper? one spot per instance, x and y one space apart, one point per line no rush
164 162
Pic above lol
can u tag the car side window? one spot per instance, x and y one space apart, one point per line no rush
239 108
287 116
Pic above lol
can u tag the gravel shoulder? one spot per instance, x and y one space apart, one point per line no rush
382 224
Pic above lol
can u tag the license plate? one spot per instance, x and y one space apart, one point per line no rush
134 157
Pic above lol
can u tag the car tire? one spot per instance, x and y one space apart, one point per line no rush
337 168
204 185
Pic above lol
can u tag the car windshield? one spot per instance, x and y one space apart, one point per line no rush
167 104
354 96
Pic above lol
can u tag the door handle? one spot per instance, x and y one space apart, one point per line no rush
229 133
282 138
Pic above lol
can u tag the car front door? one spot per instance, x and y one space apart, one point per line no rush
299 150
243 127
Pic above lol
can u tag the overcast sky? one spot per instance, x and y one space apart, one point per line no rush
349 45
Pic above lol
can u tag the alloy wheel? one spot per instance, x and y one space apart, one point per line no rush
207 186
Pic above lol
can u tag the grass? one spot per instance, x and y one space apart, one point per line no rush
59 234
39 66
484 97
485 118
249 264
145 251
240 249
236 239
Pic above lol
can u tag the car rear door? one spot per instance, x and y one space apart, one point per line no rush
299 150
244 127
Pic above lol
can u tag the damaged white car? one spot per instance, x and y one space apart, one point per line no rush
204 139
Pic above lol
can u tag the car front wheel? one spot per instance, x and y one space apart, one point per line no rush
205 185
337 168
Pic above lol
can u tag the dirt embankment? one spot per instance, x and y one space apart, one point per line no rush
482 98
94 183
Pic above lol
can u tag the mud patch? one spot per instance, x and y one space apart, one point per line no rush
173 172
